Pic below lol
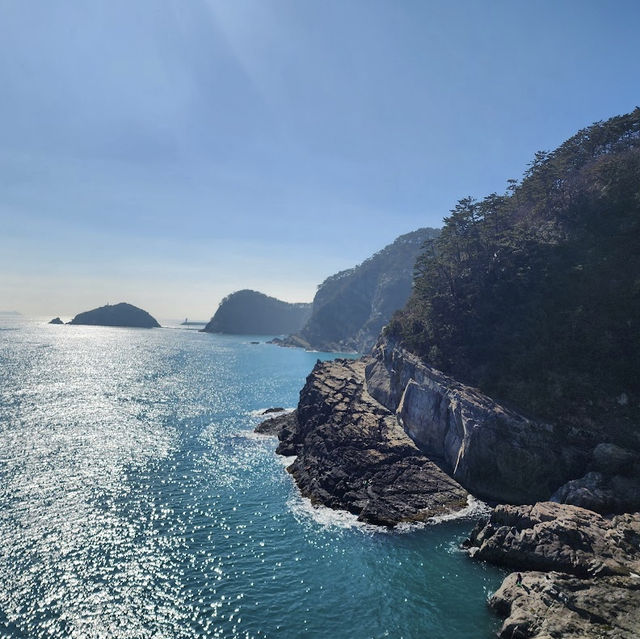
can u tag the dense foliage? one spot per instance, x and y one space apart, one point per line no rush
351 307
249 312
534 295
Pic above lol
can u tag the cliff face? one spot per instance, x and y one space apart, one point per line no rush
494 452
252 313
351 307
122 314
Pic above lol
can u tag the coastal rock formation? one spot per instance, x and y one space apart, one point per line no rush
546 605
122 314
494 452
353 455
550 536
56 320
351 307
592 588
252 313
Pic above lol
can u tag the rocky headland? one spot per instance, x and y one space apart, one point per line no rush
393 440
351 307
122 314
352 454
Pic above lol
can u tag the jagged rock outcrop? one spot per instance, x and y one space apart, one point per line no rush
56 320
556 605
249 312
494 452
353 455
351 307
123 314
592 588
561 537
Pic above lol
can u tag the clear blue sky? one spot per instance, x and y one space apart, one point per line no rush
167 153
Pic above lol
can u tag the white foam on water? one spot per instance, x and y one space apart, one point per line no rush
260 412
304 511
474 509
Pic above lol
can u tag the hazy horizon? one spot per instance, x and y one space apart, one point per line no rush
166 154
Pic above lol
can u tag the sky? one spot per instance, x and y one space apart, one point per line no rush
168 152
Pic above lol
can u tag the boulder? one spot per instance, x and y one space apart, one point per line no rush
602 493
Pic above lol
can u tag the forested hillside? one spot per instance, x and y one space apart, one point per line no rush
351 307
534 295
249 312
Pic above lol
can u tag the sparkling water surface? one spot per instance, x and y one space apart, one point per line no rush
136 502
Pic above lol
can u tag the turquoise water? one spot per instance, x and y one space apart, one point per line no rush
136 502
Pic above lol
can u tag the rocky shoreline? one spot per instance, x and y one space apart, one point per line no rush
392 440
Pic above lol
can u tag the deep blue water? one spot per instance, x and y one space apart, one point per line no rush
136 502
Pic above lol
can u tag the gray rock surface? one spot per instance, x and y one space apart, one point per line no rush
551 536
351 454
602 493
592 587
494 452
555 605
56 320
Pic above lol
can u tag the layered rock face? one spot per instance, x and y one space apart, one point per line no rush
550 536
494 452
593 587
353 455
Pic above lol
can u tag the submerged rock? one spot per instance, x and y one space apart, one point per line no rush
353 455
122 314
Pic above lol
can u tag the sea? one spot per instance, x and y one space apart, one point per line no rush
137 502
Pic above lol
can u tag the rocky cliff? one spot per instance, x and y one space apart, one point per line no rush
351 307
253 313
351 454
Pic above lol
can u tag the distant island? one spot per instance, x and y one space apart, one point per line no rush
122 314
56 320
249 312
